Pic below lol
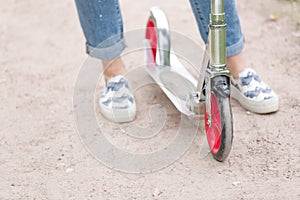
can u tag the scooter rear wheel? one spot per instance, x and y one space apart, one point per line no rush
151 35
158 35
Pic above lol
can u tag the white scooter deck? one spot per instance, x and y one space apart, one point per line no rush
176 82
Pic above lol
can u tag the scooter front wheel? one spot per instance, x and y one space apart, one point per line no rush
219 130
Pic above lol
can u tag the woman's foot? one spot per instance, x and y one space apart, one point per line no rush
253 94
116 101
248 89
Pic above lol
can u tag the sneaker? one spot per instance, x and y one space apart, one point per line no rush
253 94
116 101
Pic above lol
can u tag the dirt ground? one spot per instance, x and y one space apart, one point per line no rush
42 156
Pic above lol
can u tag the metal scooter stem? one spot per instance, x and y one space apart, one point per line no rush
217 51
217 36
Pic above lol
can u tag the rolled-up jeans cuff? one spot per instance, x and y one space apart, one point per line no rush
106 53
235 48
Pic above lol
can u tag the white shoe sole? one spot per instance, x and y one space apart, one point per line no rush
120 115
262 107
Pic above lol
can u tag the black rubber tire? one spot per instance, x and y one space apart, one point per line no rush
227 127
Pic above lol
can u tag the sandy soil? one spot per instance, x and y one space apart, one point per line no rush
42 157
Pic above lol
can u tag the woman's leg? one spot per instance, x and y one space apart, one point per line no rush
102 25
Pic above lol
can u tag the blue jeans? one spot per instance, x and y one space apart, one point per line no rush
102 20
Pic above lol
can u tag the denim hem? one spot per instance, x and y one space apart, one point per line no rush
107 53
235 48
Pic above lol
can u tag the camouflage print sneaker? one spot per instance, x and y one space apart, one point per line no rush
116 101
253 94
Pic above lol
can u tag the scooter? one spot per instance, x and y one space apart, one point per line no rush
211 91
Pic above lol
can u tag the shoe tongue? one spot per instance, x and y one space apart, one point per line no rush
245 72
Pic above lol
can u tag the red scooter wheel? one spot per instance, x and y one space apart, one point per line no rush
151 35
219 131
